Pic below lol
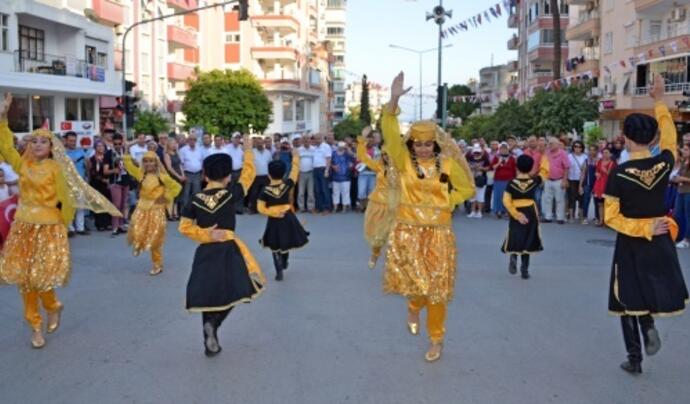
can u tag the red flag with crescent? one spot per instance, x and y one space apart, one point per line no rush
7 209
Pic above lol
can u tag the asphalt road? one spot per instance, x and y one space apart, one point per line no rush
327 334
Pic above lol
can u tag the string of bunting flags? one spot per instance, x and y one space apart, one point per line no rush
475 21
661 51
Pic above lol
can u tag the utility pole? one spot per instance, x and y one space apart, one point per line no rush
439 15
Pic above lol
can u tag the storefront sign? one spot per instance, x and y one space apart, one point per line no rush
85 131
607 105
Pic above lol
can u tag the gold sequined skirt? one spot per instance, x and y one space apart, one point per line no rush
378 222
147 229
420 262
36 257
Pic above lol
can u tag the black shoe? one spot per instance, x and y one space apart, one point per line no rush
652 343
211 346
525 275
279 276
83 233
632 367
547 221
285 262
512 268
561 222
71 234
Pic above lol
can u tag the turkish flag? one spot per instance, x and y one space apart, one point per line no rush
7 209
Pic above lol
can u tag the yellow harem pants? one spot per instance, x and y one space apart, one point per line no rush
32 312
435 317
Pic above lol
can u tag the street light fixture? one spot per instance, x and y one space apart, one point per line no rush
419 53
439 15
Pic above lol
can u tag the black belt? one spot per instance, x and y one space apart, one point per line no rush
193 173
556 179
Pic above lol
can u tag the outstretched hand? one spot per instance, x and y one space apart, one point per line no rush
658 88
5 107
398 87
366 132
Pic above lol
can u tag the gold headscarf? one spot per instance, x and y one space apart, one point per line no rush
73 192
428 130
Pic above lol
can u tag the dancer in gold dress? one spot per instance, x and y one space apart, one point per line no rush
36 256
379 215
434 179
148 223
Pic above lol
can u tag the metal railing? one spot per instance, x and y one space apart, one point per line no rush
670 88
672 31
44 63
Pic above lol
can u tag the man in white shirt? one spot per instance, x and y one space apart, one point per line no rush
192 159
236 152
322 162
305 184
138 149
206 146
218 146
261 159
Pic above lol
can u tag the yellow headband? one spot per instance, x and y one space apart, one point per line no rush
149 155
423 131
41 132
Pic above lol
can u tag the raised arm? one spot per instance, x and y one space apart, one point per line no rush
363 156
248 168
7 150
294 170
132 168
668 139
393 143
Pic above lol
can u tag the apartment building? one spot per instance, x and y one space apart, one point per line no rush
534 42
282 46
378 96
58 64
335 20
495 83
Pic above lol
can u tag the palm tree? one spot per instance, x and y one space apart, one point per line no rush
556 15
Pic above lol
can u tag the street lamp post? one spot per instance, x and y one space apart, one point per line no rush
419 53
146 21
439 15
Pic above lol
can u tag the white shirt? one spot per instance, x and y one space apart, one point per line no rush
576 163
138 152
4 192
321 153
237 154
192 160
625 156
261 160
216 150
306 159
10 175
205 151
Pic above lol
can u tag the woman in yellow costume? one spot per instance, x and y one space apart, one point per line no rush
380 213
148 223
36 256
421 257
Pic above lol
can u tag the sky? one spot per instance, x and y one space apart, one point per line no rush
372 25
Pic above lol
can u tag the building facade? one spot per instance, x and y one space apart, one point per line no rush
59 65
495 83
335 20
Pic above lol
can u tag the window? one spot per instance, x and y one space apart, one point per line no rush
41 109
4 32
31 43
102 59
288 110
654 31
340 59
145 63
299 110
335 31
232 38
91 55
336 3
608 43
71 109
87 109
674 71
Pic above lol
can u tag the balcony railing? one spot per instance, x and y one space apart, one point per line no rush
670 88
672 32
44 63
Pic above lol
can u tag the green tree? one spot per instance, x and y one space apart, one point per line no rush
512 118
562 110
150 123
365 109
476 127
460 109
226 101
350 126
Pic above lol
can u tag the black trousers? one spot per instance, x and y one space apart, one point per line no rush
215 318
487 198
632 325
280 261
524 266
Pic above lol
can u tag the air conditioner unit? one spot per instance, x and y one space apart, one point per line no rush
678 14
596 91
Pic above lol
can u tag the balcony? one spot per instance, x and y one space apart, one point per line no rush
588 26
673 88
674 33
286 23
513 43
56 65
513 66
544 53
182 5
513 20
109 12
657 6
537 78
590 64
179 37
269 52
179 71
